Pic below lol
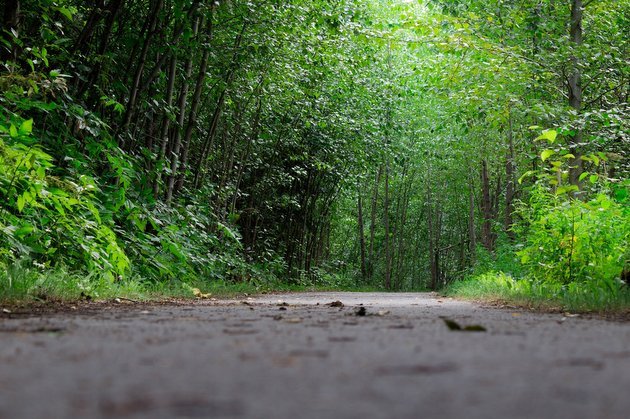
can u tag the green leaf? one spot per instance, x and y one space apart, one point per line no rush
566 189
66 12
23 231
546 154
549 135
525 175
583 176
20 203
27 127
13 131
593 178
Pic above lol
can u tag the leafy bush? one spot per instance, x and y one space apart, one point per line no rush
568 238
546 294
43 216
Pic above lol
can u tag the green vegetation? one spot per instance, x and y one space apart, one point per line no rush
546 295
151 147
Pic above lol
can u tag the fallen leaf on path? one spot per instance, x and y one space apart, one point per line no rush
361 311
419 369
401 326
454 326
315 353
240 331
342 339
335 304
197 293
383 313
294 320
474 328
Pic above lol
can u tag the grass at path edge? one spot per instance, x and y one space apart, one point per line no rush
501 289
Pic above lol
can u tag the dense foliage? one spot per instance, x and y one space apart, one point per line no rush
387 143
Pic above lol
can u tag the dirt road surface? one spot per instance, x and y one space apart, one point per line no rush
296 356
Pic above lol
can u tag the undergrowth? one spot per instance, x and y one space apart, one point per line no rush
545 295
24 281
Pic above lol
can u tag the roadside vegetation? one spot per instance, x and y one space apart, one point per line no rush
162 147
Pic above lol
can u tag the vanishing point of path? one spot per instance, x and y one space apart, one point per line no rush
295 356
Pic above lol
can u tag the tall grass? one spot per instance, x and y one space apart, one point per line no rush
591 296
24 281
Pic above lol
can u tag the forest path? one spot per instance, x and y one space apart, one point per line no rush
295 356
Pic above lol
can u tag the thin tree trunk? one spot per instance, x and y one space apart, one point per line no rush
166 123
114 7
177 33
209 141
575 90
177 141
207 146
432 244
192 119
509 177
371 260
400 266
361 236
388 250
472 237
83 41
486 208
133 96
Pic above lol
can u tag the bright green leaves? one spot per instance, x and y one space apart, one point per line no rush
546 154
549 135
41 213
592 177
23 231
13 131
26 127
574 240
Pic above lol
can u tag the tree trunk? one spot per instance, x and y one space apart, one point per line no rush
575 90
192 119
486 208
83 41
431 231
113 9
165 123
472 236
509 177
377 182
207 145
177 140
361 236
133 96
388 250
